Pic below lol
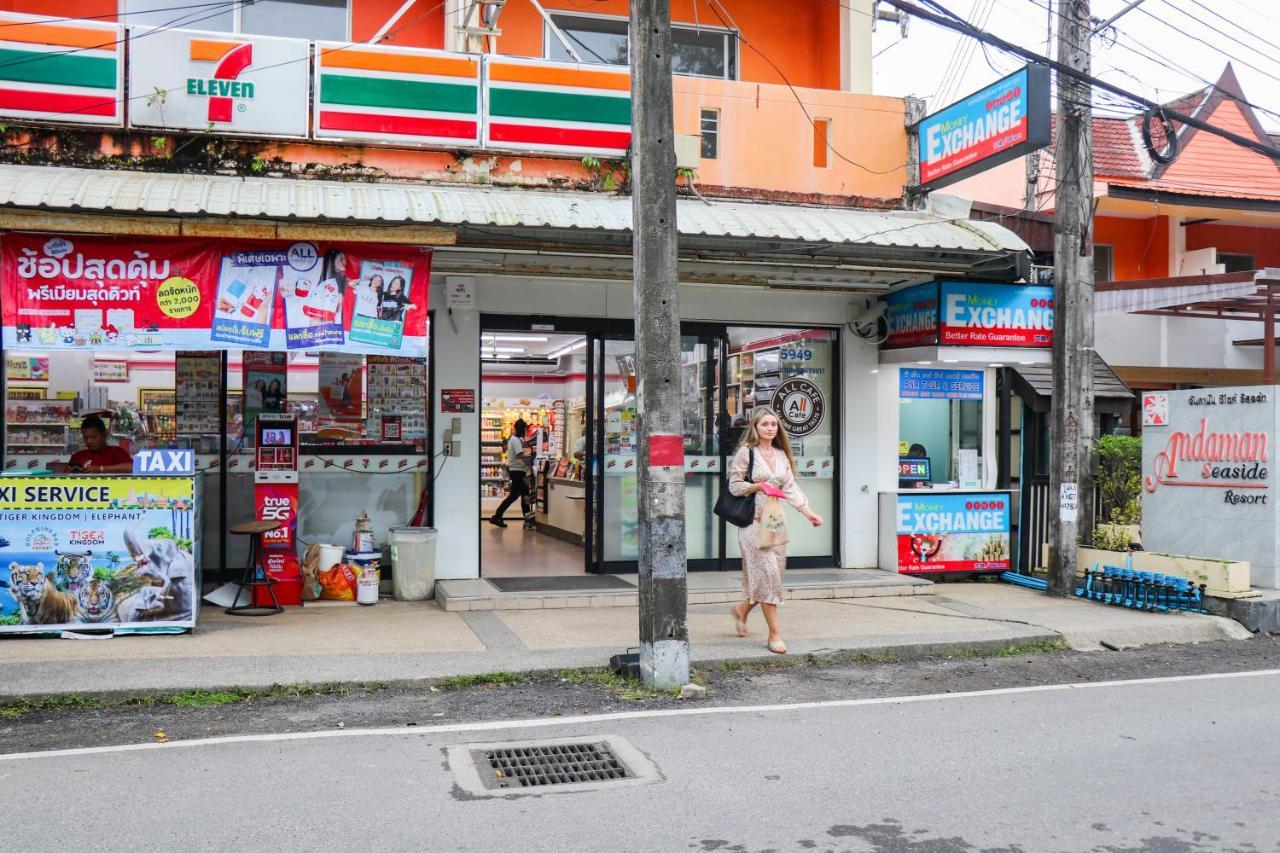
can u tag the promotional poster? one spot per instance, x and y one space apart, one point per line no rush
113 552
189 294
265 380
953 532
341 385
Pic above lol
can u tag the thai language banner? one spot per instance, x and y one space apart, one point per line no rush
996 315
110 552
939 384
74 292
953 532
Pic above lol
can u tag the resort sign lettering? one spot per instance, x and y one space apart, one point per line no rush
1236 461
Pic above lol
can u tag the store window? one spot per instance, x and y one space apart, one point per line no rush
312 19
1236 262
793 372
710 140
1102 263
695 52
940 427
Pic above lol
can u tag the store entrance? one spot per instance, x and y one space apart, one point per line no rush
532 486
573 383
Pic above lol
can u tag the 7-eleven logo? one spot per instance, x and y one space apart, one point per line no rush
231 57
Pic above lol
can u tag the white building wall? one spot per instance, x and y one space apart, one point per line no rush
456 357
1137 340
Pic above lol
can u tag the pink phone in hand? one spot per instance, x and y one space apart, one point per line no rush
772 491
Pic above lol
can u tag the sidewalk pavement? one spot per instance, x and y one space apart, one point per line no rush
405 642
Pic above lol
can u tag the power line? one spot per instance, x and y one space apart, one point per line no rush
716 9
181 21
1151 56
1065 70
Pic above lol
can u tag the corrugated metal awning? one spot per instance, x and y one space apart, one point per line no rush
383 203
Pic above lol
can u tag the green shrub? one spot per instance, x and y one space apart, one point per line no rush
1111 537
1120 478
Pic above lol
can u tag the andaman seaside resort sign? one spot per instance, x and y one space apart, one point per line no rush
1207 476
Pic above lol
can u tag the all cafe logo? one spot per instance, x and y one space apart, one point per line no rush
799 403
1234 461
222 85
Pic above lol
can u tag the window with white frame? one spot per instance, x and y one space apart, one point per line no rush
310 19
695 51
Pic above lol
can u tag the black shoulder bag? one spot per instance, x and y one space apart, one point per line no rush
738 511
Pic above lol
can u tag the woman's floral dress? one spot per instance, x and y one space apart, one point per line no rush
762 568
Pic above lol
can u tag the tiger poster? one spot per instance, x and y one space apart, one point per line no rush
114 553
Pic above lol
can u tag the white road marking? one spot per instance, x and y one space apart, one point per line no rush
543 722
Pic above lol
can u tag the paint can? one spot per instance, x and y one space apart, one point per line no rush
369 565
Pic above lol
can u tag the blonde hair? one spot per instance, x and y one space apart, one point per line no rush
751 438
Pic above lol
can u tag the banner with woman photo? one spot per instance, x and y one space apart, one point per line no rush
71 292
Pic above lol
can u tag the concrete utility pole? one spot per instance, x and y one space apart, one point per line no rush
664 630
1072 418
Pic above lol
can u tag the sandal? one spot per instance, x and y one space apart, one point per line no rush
740 623
777 647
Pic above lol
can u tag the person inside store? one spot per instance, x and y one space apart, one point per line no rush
98 457
764 466
518 456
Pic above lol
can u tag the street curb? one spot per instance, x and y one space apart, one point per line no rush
889 653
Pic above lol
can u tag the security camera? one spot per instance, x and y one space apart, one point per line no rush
868 314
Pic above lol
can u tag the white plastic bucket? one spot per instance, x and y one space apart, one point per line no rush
369 565
330 555
413 563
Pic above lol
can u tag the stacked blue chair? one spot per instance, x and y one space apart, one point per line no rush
1137 590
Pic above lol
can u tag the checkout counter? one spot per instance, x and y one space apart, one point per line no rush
117 552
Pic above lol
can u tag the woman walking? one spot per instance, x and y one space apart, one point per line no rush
518 470
765 453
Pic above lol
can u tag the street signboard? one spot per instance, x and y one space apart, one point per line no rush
1005 120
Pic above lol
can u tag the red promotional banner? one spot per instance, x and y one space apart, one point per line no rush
72 292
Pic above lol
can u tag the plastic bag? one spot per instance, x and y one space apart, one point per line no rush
311 588
338 583
773 525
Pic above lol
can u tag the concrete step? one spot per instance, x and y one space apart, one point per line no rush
704 588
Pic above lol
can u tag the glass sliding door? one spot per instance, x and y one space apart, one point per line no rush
725 375
618 440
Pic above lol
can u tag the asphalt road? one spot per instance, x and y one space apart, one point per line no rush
1178 763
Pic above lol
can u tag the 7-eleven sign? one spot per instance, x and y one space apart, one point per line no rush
223 86
246 84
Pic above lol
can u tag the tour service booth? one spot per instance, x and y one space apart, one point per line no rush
940 508
187 350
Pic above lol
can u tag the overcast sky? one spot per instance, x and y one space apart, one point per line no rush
1149 56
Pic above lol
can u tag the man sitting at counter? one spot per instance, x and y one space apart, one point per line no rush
98 457
914 469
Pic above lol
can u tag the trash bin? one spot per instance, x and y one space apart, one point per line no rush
413 563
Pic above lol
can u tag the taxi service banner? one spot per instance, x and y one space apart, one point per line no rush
953 532
107 552
181 294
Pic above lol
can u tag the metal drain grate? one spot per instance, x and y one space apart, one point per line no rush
563 764
558 764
